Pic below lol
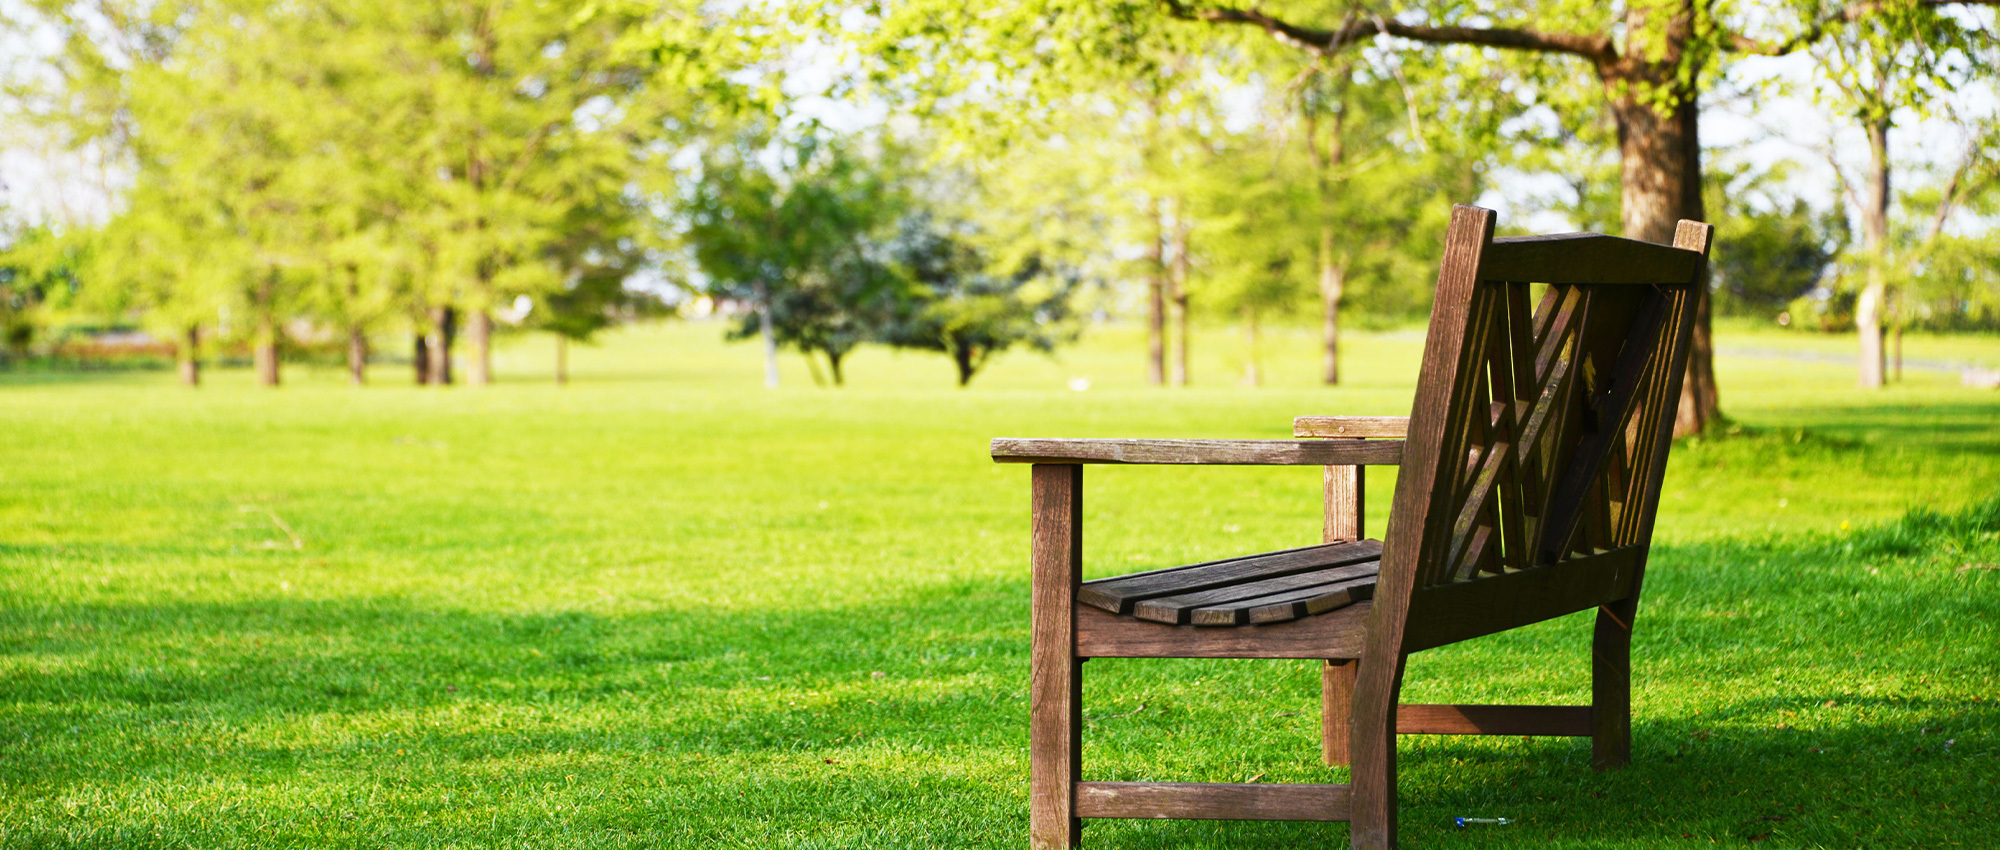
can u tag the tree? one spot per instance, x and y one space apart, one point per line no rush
346 163
37 269
1367 183
1780 248
600 250
1950 279
164 263
1896 60
791 238
962 304
835 309
1647 61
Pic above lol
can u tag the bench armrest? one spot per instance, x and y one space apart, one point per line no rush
1208 452
1396 427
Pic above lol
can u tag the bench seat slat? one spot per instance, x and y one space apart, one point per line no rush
1120 594
1266 588
1292 606
1175 609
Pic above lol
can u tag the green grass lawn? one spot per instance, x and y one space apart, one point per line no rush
664 607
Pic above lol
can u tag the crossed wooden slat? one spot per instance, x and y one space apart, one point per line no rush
1549 434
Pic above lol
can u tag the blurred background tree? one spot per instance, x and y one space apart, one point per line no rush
317 176
345 165
970 306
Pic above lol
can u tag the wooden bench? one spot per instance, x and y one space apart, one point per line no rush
1529 474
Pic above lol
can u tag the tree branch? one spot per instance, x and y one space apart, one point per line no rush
1959 187
1846 14
1320 42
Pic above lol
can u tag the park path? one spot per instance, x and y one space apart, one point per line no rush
1831 358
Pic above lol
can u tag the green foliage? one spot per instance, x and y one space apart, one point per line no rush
353 163
1902 56
786 223
37 275
1951 277
1953 285
1770 249
960 302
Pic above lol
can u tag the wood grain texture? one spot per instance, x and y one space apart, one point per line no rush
1336 704
1578 498
1351 426
1345 490
1055 696
1380 678
1428 467
1335 634
1550 720
1281 607
1449 613
1122 594
1611 686
1285 605
1212 801
1564 258
1205 452
1611 639
1238 599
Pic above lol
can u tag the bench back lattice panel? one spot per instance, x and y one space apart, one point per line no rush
1539 436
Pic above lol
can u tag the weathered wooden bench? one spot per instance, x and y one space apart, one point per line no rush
1529 473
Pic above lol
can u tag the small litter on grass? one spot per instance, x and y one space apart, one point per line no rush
1463 822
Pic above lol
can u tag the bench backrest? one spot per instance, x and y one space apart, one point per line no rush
1540 436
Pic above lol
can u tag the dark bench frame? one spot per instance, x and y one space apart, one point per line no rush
1564 422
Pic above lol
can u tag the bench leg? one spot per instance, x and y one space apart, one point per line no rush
1611 686
1372 736
1055 694
1336 699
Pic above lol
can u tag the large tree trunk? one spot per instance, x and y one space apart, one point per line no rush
420 357
444 328
562 360
265 351
1660 154
186 356
1332 280
1660 174
479 326
1180 296
357 356
1875 230
833 364
1156 301
769 336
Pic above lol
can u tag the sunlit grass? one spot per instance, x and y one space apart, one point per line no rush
664 607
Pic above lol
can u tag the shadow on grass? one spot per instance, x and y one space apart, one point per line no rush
902 723
1953 426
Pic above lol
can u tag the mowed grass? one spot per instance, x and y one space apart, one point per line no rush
665 607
